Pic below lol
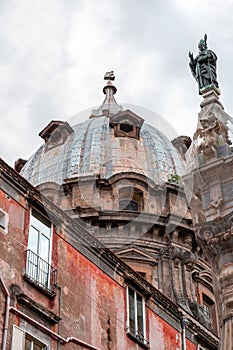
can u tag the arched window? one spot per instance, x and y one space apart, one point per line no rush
131 199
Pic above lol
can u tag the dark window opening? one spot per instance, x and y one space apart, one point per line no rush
131 199
102 224
126 127
125 204
142 274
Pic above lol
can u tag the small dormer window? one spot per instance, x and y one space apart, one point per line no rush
126 124
55 134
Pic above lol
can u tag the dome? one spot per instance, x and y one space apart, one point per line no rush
111 141
92 149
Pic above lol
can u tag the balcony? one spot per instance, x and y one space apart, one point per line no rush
40 273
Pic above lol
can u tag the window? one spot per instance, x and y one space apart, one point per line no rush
131 199
206 310
126 204
22 340
209 310
126 127
136 322
3 220
33 344
39 250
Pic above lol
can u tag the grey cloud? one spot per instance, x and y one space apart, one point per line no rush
54 55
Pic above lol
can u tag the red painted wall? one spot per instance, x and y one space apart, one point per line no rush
93 304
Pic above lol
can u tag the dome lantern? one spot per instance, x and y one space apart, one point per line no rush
109 107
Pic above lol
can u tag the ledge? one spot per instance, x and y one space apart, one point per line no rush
38 309
138 341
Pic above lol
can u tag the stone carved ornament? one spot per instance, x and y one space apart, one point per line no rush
213 235
213 132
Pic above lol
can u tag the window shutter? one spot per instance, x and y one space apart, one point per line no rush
17 340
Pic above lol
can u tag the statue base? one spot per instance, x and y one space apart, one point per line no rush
209 89
210 95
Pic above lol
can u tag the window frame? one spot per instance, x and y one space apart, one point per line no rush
39 225
4 218
39 222
140 338
19 336
209 309
32 340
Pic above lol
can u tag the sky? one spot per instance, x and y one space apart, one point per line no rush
54 54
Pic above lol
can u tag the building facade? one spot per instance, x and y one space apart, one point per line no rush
97 247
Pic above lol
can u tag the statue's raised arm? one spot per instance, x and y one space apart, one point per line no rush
203 66
192 64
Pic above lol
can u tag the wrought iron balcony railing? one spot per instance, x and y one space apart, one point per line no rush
40 272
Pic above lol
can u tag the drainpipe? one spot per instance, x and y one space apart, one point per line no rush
6 316
60 308
52 333
184 323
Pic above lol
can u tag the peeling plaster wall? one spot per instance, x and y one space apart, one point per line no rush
93 305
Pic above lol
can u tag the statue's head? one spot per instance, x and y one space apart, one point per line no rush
202 45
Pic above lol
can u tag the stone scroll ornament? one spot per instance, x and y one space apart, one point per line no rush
203 66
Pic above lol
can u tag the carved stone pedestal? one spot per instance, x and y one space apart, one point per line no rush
209 186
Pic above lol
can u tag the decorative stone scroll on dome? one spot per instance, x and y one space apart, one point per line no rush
126 124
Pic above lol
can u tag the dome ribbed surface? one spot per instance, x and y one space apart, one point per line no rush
92 149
